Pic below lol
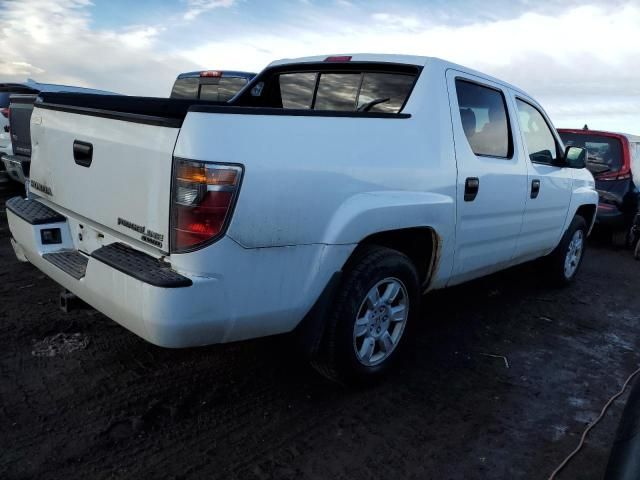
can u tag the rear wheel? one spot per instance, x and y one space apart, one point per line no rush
620 238
564 262
375 303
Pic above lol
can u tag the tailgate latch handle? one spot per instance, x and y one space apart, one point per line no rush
82 153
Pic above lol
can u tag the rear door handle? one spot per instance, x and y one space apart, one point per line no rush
535 188
471 188
82 153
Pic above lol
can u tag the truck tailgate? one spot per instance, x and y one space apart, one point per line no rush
113 172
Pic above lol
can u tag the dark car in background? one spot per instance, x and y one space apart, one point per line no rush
6 90
212 85
614 161
19 98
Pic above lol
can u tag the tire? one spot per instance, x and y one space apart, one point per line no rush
620 239
557 266
356 352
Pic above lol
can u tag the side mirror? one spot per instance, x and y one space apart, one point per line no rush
575 157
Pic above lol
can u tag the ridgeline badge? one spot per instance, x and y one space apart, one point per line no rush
148 236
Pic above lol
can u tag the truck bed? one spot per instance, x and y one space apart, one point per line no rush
169 112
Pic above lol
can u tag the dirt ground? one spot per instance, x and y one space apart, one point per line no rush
81 397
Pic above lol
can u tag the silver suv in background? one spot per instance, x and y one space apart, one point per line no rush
6 90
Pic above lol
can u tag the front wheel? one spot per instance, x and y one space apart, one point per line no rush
374 305
564 262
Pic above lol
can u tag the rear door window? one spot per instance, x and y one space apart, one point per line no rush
485 122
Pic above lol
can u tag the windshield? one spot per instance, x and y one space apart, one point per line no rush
218 89
604 154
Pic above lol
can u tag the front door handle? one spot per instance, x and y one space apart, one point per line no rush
535 188
471 187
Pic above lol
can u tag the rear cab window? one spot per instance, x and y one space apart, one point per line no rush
348 87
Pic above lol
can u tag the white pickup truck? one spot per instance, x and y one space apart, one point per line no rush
327 197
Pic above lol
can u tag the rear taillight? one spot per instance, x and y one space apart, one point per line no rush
605 207
203 197
613 176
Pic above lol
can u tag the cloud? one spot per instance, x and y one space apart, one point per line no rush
139 36
196 8
18 69
54 41
579 60
391 20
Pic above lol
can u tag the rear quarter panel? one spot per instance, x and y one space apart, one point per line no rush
335 180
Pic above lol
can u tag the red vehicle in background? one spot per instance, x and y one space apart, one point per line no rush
614 161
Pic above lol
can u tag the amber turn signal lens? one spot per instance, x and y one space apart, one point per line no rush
191 172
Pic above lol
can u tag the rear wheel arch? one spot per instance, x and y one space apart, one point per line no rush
420 244
588 212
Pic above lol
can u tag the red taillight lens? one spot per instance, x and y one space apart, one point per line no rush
605 207
203 196
613 176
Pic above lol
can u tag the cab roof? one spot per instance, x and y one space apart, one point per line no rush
417 60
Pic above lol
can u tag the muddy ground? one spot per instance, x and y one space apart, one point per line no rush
113 406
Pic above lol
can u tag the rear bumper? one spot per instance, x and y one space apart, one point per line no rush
17 167
168 317
611 218
226 292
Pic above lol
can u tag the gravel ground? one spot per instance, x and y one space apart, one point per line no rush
81 397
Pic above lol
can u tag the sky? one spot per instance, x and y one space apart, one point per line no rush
580 59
